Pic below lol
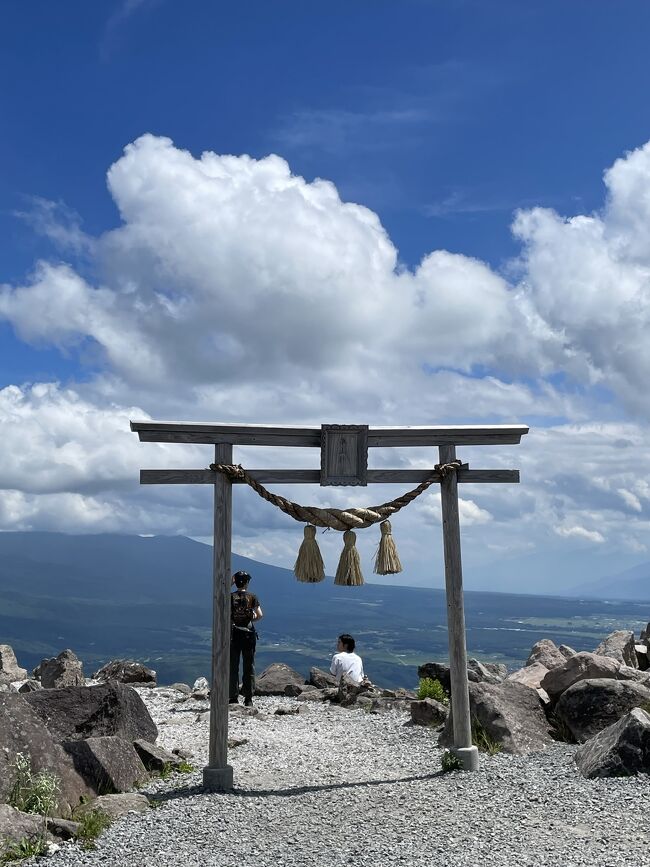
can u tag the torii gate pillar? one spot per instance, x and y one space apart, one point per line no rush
217 775
463 748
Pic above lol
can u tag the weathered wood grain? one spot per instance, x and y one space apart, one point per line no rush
218 755
455 609
269 435
344 455
312 477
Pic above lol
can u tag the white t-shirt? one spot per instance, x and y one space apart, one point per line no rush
349 664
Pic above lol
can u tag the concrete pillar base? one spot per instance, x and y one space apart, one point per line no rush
218 779
468 756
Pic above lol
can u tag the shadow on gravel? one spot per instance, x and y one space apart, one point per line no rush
293 791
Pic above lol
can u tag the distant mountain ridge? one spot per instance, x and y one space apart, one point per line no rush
150 598
633 583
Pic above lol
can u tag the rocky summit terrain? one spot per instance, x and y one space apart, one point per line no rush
329 786
329 775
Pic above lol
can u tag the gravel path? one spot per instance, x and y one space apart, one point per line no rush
331 787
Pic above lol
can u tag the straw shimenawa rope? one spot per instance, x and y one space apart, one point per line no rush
336 519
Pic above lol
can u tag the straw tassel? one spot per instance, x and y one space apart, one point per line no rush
387 560
348 572
309 567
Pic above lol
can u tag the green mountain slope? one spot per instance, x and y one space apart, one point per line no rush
108 596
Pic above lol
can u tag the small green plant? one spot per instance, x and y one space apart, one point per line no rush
430 688
645 706
24 848
166 771
450 762
92 823
32 793
483 741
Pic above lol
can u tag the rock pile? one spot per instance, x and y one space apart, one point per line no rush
99 739
94 740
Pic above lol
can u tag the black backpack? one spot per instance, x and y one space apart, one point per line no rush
242 608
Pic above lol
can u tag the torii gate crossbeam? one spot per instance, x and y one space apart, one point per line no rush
218 775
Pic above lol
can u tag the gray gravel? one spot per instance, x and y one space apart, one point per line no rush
332 786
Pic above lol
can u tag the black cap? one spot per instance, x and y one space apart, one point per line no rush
241 578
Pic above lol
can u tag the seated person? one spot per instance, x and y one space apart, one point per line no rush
345 661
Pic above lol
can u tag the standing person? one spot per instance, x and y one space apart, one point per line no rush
245 610
345 662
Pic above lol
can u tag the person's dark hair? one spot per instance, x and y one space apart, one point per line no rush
241 579
348 642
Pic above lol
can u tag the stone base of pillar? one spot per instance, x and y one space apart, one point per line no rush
218 779
468 756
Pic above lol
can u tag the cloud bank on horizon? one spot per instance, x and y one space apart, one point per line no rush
234 290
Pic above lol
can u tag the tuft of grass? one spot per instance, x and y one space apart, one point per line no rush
92 823
166 771
32 793
483 741
645 706
430 688
450 762
24 848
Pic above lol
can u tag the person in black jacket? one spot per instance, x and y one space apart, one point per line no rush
245 611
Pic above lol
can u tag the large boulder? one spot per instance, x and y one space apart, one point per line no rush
321 679
16 826
311 693
274 679
428 712
530 675
619 645
477 672
63 670
22 730
626 672
10 671
115 806
486 672
546 653
582 666
510 713
78 712
108 764
155 758
620 750
642 659
589 706
30 685
348 692
126 671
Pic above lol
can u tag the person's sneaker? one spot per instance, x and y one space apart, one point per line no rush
248 702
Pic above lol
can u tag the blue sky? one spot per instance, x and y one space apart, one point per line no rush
443 119
442 116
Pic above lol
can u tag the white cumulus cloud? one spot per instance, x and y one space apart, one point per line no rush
234 290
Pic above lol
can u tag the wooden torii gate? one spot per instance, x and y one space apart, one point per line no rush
344 450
